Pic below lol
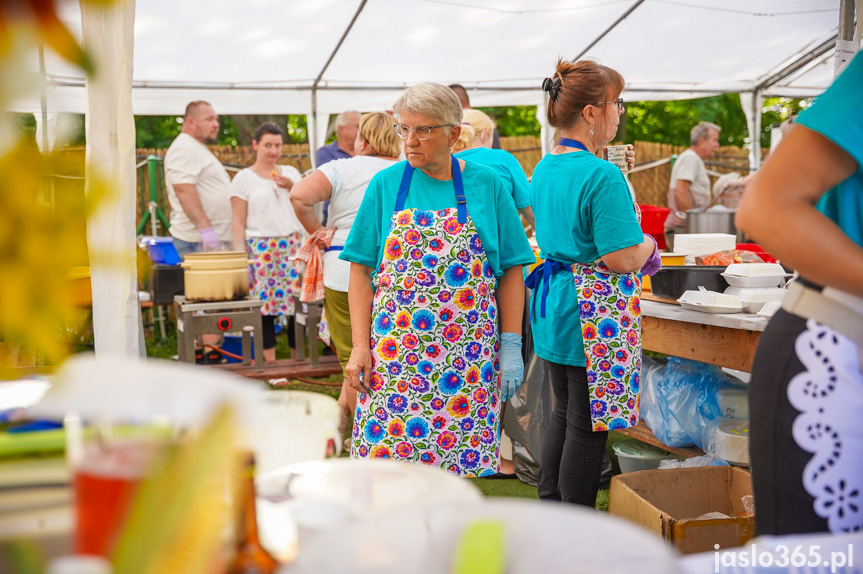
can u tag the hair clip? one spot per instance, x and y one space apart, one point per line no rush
552 86
465 123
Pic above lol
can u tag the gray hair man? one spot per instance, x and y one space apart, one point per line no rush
347 127
690 186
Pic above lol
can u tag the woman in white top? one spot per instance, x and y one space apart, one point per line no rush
343 182
264 223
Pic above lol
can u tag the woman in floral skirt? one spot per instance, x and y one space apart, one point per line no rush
264 224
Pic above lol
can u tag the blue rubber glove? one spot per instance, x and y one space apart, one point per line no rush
654 262
511 364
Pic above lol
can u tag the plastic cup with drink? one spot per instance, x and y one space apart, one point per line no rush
108 465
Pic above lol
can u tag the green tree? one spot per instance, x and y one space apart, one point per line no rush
670 122
159 131
514 120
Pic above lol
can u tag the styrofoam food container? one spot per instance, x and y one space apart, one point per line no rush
753 299
710 302
755 275
769 309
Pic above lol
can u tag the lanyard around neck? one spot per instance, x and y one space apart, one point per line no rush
573 143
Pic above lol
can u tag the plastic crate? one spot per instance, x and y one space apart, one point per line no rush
673 281
653 222
161 250
234 344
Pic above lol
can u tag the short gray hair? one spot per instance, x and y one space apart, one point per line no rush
342 118
702 130
433 100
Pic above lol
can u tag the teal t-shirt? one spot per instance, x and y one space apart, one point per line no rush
488 204
837 114
583 210
506 166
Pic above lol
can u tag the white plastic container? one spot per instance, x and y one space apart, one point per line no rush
294 426
769 309
755 275
753 299
634 455
730 442
710 302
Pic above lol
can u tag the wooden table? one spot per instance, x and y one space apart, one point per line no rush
725 340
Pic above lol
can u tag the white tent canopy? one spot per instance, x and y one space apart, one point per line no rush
319 57
264 56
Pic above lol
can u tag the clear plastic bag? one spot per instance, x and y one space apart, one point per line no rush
696 461
680 398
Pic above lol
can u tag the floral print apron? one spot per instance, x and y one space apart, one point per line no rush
609 306
275 279
435 384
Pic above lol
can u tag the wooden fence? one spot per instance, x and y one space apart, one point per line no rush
651 185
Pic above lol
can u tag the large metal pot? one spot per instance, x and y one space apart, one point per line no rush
216 276
713 221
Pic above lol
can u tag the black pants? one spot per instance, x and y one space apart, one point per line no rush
572 453
268 324
782 505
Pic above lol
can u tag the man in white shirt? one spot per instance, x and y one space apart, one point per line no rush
690 185
199 189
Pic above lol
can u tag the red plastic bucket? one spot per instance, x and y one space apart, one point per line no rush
653 222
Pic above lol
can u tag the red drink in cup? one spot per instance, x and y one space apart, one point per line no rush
105 482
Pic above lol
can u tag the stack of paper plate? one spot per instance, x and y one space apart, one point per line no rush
696 244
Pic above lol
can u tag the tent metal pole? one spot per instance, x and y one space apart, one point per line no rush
314 138
846 20
755 136
312 130
796 65
43 101
609 29
846 48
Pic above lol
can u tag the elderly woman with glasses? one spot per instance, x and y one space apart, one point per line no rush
436 300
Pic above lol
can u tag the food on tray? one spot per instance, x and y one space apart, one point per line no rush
728 257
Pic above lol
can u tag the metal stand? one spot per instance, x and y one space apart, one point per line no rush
155 216
195 319
312 318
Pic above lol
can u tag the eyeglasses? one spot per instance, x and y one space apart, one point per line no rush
421 132
619 103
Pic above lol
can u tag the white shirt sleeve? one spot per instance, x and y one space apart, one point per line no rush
331 170
688 168
183 165
241 186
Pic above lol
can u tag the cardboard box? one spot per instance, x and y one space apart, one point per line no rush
669 501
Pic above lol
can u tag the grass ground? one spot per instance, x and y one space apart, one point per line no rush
497 487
